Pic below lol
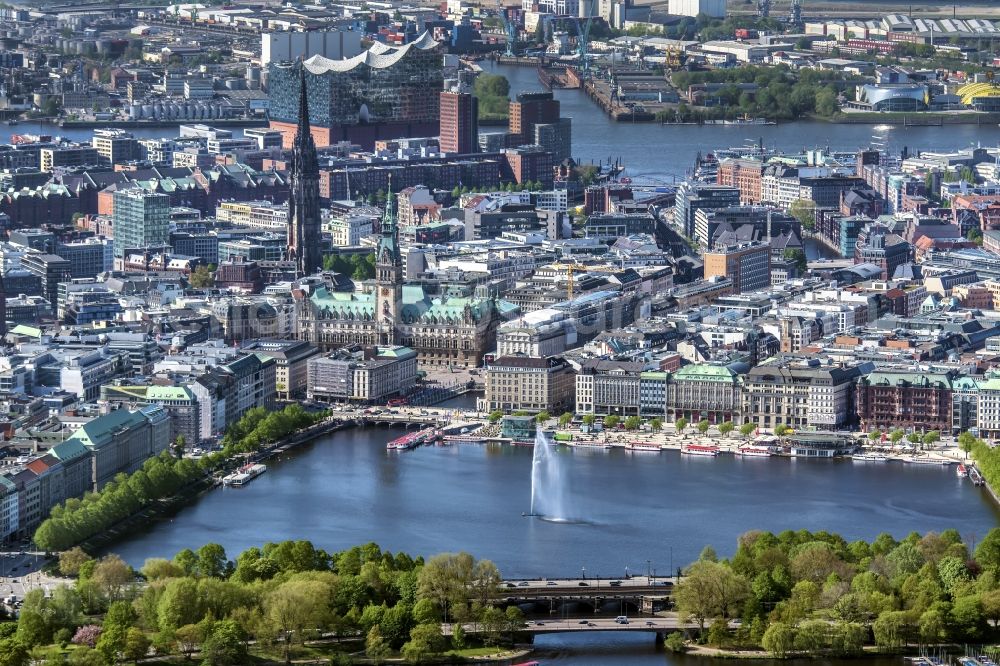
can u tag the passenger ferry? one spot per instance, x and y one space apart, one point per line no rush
244 475
700 450
412 440
755 451
928 461
870 457
643 446
962 471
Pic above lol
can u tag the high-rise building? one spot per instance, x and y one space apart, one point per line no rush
385 92
528 110
303 203
747 265
141 219
459 122
388 275
692 197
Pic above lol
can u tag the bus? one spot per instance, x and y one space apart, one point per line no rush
397 402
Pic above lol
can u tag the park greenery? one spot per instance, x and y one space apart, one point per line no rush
163 477
357 266
492 92
815 593
780 93
284 601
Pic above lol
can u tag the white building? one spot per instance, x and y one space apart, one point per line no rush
713 8
338 44
348 230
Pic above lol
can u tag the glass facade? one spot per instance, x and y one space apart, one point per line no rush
393 85
141 219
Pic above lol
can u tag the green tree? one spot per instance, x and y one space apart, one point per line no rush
565 419
778 639
188 638
725 428
136 645
710 590
376 648
225 646
890 629
588 419
496 415
611 421
201 277
747 429
296 608
71 560
896 436
656 425
703 426
680 424
542 417
632 423
804 210
797 257
931 437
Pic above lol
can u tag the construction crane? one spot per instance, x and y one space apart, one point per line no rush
763 8
509 28
583 42
795 14
569 268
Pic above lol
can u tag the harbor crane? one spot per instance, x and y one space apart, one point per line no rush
795 13
509 28
583 42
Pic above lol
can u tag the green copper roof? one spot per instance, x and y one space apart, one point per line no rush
703 372
102 430
68 450
417 306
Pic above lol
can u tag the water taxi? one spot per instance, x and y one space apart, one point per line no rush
870 457
643 446
700 450
755 451
244 475
412 440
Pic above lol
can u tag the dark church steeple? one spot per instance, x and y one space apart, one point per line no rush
303 203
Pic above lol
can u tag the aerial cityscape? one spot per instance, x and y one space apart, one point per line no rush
567 332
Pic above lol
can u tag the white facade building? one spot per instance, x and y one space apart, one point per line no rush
290 45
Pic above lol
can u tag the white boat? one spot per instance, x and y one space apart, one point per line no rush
755 451
244 475
928 461
643 446
962 471
870 457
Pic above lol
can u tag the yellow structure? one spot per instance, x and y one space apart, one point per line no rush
973 90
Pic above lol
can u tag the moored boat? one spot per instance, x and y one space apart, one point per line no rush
870 457
700 450
643 446
755 451
962 471
244 475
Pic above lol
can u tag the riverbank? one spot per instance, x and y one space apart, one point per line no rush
153 124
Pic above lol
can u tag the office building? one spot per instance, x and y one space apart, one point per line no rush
459 122
50 270
748 265
692 197
141 220
115 146
528 110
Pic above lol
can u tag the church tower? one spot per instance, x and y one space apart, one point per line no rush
303 202
388 275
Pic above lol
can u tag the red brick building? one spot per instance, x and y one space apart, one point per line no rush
887 400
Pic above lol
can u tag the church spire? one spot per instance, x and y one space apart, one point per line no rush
388 242
303 127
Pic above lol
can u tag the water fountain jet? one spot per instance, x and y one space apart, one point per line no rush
548 484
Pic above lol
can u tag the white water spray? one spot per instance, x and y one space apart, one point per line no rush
548 487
